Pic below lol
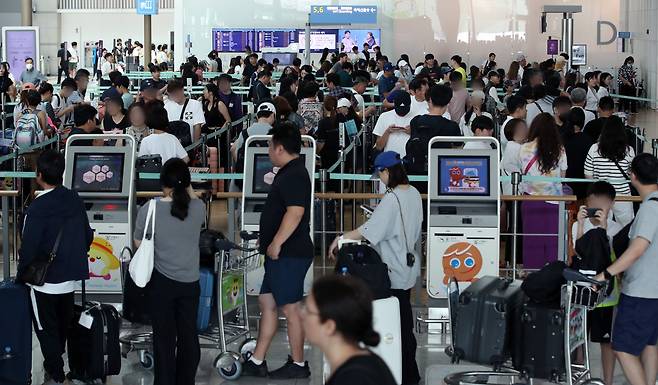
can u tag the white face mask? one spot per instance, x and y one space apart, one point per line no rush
29 67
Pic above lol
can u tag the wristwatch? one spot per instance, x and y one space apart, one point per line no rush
606 274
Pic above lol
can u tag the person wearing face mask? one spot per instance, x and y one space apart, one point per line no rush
30 74
627 80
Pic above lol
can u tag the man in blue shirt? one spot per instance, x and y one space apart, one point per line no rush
387 81
31 74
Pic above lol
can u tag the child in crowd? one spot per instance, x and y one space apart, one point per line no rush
482 126
516 133
596 213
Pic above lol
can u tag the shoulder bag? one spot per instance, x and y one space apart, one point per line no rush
35 272
636 205
141 265
411 258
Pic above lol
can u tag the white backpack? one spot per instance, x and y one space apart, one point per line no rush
28 130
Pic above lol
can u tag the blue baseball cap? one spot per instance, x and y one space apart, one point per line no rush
385 160
388 67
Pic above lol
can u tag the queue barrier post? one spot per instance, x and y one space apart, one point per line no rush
654 146
17 185
354 183
323 228
5 236
516 181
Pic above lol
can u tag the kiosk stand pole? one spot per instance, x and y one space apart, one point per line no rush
3 115
354 155
654 144
5 236
323 228
516 180
17 199
342 190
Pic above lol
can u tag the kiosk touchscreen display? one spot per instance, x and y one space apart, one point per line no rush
263 174
464 176
98 173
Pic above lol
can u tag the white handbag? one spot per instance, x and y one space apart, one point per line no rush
141 265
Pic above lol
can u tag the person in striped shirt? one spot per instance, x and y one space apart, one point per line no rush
610 158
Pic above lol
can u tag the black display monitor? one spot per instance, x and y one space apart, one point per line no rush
263 174
98 172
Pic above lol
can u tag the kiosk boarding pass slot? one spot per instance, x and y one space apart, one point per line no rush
259 174
463 209
104 176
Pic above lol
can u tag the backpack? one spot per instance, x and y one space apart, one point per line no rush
621 241
416 158
180 128
544 287
239 163
363 262
28 130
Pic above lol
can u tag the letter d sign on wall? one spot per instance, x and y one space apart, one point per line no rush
613 36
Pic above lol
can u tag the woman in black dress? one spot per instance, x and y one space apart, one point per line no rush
115 120
217 115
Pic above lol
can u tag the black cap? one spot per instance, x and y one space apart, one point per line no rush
402 103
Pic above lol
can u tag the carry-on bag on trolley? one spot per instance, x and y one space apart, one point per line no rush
207 285
93 344
16 338
484 324
362 261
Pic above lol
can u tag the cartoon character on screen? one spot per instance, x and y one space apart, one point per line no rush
463 261
471 178
456 177
102 260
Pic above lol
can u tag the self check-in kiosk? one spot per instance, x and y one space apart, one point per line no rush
258 177
463 212
104 179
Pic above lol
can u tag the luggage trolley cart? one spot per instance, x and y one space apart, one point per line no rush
579 295
232 262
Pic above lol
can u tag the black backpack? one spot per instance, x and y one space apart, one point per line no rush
416 158
544 287
148 164
363 262
239 163
207 248
180 128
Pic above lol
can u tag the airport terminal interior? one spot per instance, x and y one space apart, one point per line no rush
346 191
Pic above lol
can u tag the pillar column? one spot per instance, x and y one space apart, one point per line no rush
147 41
26 13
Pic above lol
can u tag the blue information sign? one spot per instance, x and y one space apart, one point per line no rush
147 7
343 14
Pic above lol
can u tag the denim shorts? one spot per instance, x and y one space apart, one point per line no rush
636 324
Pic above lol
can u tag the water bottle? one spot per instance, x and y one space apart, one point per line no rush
343 271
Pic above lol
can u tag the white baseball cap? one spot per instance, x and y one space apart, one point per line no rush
402 63
344 102
266 106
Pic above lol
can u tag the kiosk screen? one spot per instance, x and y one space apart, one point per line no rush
263 174
464 175
98 173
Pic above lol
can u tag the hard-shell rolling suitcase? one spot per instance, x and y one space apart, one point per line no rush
386 322
93 343
16 335
207 284
540 343
485 312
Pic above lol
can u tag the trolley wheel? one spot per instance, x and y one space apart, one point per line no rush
228 366
147 360
247 348
594 381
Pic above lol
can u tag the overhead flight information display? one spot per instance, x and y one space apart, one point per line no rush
274 38
320 39
232 40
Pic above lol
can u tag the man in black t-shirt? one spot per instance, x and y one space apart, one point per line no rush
606 109
63 55
430 69
286 242
84 117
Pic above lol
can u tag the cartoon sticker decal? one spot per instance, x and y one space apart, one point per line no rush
102 261
463 261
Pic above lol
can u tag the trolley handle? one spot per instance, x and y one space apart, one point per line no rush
226 245
572 275
248 235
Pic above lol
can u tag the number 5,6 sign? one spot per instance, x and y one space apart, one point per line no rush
343 14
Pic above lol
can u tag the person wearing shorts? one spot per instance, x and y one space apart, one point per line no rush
285 241
635 328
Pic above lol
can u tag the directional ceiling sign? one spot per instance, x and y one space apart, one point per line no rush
343 14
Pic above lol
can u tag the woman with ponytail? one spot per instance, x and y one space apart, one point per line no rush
173 292
337 318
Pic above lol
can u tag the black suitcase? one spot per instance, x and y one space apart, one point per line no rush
148 164
484 324
540 343
16 338
95 353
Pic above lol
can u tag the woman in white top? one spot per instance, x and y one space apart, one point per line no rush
604 85
393 230
477 108
138 128
592 96
611 158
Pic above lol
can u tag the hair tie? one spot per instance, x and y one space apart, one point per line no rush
179 181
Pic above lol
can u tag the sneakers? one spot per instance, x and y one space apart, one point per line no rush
250 369
291 370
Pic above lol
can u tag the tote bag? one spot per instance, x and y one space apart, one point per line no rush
141 266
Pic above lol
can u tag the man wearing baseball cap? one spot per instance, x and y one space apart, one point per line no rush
266 115
387 81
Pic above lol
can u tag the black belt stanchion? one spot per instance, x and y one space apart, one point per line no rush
15 208
516 181
654 147
324 176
